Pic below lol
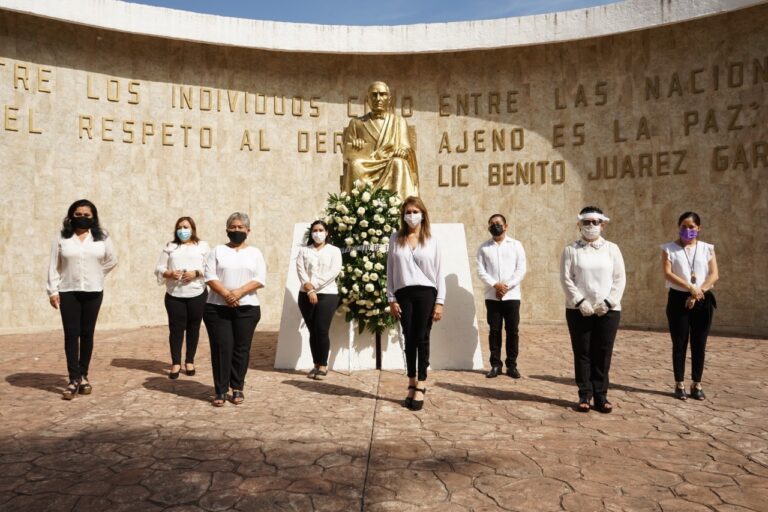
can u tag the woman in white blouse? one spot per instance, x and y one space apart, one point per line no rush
593 278
82 254
181 268
690 272
416 291
234 271
318 265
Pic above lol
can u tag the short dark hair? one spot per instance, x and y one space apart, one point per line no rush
497 215
689 215
312 226
66 226
590 209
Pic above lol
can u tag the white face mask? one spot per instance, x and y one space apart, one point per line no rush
591 232
413 219
319 236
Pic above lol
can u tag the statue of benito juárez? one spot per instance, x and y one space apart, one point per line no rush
377 148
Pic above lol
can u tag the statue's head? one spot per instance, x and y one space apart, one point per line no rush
378 97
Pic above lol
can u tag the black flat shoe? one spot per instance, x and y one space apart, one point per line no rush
495 372
512 372
604 406
680 394
85 388
408 399
417 405
583 405
237 397
697 393
189 372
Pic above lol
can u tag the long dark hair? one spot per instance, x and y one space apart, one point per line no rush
96 231
310 242
689 215
425 233
193 238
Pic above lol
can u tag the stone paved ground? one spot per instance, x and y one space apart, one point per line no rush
142 442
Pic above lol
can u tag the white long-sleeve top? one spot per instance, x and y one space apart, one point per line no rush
695 257
320 267
502 262
414 267
79 265
233 269
593 271
189 256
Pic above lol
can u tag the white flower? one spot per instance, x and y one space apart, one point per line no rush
368 265
394 211
366 242
349 240
361 184
328 219
393 201
363 235
378 266
365 258
356 287
354 192
344 209
376 311
374 276
365 197
374 240
339 207
343 195
387 228
358 272
366 279
369 303
352 220
349 268
363 224
378 232
387 310
342 226
353 253
371 231
361 211
344 290
383 248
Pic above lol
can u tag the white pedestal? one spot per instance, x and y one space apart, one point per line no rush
454 342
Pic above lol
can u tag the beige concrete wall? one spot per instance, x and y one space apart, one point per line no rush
575 104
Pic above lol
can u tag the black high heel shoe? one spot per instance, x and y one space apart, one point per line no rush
417 405
174 375
190 373
408 399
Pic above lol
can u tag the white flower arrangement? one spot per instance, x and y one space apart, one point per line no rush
363 220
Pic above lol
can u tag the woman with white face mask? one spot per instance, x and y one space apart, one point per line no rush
318 265
690 272
416 291
181 268
593 278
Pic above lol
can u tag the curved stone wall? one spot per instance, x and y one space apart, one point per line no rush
658 118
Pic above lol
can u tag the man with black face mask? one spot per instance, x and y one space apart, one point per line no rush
501 266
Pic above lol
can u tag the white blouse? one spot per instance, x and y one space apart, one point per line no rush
189 256
593 271
414 267
696 256
80 265
501 263
233 269
319 267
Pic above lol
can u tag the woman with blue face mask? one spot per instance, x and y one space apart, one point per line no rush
690 272
181 268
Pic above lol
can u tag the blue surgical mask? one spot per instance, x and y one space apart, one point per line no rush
184 234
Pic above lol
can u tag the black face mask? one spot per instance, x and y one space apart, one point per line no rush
82 222
496 229
237 237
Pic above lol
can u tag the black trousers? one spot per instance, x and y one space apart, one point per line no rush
318 318
592 339
184 314
416 306
506 312
230 332
79 311
689 323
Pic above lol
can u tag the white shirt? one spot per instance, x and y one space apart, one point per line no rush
189 256
319 267
233 269
504 263
79 265
593 271
697 255
414 267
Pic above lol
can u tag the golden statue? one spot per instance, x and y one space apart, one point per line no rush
377 147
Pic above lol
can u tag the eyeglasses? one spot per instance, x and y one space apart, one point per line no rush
591 222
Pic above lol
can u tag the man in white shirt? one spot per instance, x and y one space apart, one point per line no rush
501 267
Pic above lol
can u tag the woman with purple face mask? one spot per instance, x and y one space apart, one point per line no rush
690 271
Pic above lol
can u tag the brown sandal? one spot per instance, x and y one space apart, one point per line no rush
219 400
71 390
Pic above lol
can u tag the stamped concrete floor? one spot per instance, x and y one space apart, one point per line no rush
142 442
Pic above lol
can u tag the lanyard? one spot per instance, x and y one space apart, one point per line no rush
692 262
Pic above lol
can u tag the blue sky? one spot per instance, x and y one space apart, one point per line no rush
367 12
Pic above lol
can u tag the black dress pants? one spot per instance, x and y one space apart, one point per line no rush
592 339
230 333
318 318
184 314
687 323
416 306
506 312
79 311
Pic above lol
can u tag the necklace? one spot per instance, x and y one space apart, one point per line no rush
691 262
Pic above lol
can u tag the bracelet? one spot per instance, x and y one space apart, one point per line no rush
610 306
579 303
311 291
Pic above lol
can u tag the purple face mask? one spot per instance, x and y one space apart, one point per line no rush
687 234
